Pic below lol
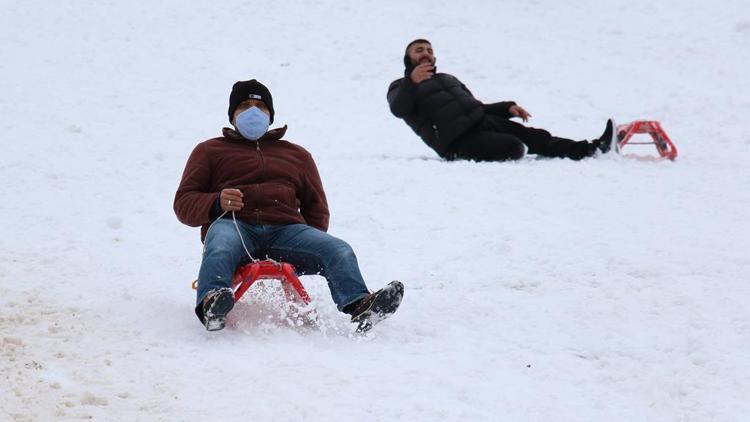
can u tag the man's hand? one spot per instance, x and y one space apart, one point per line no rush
231 200
422 72
519 111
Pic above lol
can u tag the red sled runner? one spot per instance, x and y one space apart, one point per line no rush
247 274
663 144
296 296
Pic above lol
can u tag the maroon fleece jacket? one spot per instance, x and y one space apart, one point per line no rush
279 181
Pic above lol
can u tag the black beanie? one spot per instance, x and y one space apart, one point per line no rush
408 66
249 90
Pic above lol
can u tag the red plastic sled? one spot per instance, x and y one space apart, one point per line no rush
663 144
248 274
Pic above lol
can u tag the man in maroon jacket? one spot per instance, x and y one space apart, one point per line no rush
272 190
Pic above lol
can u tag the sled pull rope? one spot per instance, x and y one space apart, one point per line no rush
237 226
239 233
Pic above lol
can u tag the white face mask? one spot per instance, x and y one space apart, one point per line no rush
252 123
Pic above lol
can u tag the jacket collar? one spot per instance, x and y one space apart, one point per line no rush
272 135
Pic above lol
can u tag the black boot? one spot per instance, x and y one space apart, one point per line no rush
608 141
376 307
216 306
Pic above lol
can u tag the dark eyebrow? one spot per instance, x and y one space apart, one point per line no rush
253 103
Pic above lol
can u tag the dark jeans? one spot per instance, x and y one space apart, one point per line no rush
500 139
308 249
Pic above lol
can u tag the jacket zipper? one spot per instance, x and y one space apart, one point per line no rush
262 172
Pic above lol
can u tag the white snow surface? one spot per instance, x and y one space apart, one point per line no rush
614 288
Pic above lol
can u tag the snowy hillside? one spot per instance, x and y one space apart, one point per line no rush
612 289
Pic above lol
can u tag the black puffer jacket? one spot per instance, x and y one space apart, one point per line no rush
439 109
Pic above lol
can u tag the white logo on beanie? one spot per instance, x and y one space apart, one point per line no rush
255 97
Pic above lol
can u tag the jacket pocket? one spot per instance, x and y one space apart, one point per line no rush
271 195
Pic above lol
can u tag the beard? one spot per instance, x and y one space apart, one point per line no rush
425 59
410 64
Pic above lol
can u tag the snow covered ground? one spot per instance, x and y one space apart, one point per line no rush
609 289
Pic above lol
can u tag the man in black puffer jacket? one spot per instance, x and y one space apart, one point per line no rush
444 113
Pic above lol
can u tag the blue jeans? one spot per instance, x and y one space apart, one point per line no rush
310 250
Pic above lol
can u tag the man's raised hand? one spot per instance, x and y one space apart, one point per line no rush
422 72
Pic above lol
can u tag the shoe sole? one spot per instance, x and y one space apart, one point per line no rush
216 316
606 144
384 305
